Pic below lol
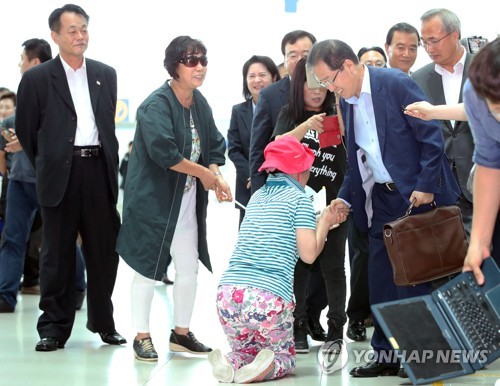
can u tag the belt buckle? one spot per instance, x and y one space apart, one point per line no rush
388 186
86 153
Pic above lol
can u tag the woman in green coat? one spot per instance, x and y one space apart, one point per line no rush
174 163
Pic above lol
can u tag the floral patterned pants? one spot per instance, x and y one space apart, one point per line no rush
254 319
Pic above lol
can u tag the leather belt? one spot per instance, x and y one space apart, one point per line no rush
86 152
391 186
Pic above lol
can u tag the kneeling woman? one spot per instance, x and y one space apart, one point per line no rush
255 295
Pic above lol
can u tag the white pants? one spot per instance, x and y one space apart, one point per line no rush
184 251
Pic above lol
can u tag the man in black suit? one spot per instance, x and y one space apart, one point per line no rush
65 123
442 82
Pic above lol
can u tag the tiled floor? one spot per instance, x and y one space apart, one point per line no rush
86 361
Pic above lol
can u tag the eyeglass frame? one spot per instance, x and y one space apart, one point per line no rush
433 43
193 61
325 83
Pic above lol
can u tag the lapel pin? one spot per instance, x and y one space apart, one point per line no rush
98 83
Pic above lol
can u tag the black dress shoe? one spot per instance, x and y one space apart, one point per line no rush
300 337
335 331
374 369
112 338
402 373
5 307
356 331
48 343
316 331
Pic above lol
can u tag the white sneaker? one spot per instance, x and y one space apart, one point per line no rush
261 369
221 368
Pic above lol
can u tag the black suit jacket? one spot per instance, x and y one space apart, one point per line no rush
46 124
271 99
238 138
458 141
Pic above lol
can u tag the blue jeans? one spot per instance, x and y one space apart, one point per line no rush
22 205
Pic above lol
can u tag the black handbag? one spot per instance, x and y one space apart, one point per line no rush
426 246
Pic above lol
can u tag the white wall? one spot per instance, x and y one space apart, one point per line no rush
133 38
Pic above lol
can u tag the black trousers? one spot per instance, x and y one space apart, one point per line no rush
323 282
387 206
358 307
310 293
32 258
89 208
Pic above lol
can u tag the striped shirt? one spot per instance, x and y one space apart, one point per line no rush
266 251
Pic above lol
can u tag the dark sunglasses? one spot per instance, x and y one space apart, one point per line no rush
192 61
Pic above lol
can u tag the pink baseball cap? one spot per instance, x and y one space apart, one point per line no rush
288 155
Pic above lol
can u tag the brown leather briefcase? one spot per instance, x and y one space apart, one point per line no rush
426 246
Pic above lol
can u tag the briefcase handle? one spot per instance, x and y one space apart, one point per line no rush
408 211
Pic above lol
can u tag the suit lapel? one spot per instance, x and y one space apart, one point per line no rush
378 100
95 82
285 90
349 127
435 84
468 58
247 115
60 82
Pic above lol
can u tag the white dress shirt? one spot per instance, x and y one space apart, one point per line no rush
452 81
365 130
86 129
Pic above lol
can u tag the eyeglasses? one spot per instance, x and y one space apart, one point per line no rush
192 61
325 83
432 43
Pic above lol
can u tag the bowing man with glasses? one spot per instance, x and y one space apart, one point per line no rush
393 160
174 163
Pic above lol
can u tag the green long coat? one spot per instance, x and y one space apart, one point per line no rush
153 192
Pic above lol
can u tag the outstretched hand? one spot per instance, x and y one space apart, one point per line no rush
422 110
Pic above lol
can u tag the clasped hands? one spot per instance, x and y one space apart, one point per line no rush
335 213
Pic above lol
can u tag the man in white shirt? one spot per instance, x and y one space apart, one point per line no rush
65 124
442 82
